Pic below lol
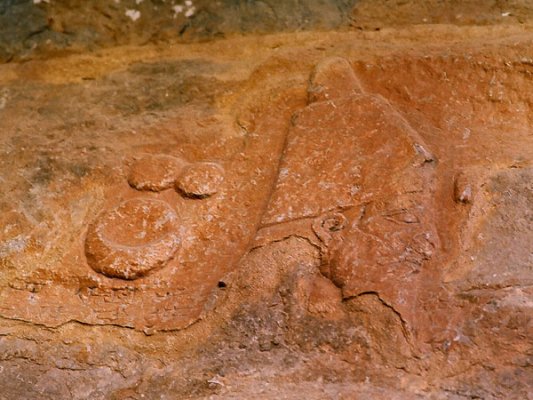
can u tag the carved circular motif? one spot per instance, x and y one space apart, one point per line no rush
200 180
325 225
128 241
155 172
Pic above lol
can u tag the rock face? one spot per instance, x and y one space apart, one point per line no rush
30 28
318 215
352 153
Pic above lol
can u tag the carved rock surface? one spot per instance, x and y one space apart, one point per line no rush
352 152
200 180
311 215
132 239
155 172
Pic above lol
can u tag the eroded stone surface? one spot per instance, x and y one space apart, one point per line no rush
341 255
167 267
155 172
499 254
352 152
331 79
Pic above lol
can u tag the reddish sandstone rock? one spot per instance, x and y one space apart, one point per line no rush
155 172
370 237
352 152
133 239
200 180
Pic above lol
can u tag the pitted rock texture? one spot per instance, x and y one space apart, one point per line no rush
316 215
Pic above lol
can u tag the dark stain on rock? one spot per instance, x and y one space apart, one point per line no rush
44 171
79 170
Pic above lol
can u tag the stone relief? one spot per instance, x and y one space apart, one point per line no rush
143 234
259 213
348 174
132 239
375 234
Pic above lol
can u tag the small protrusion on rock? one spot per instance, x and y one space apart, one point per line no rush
423 154
332 78
149 331
200 180
463 192
246 121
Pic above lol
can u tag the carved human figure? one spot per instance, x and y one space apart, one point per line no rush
357 168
